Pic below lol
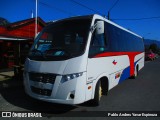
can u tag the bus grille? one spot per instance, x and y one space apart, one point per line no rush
42 77
39 91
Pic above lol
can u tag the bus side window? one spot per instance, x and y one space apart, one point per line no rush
98 44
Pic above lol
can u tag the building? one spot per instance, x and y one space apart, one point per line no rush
15 41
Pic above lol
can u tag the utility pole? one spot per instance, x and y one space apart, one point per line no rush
111 9
108 15
36 18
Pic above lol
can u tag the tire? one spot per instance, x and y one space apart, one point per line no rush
98 94
135 72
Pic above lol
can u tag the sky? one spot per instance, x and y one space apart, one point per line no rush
127 13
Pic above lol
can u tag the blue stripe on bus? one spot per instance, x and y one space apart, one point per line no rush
126 72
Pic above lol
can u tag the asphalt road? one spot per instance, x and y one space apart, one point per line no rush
140 94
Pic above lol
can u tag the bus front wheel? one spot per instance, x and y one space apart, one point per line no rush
98 94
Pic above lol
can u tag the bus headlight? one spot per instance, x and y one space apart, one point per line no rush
70 77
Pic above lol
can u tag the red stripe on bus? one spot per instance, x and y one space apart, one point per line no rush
131 56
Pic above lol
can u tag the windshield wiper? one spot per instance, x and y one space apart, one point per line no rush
57 49
34 51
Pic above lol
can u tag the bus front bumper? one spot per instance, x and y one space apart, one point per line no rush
69 92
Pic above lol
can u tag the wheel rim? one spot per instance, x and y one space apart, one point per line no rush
100 92
135 74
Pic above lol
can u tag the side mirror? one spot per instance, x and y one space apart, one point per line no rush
100 27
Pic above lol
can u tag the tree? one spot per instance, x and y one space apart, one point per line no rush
153 47
3 22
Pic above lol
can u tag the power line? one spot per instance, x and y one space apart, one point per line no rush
113 5
55 8
111 9
61 10
145 18
85 6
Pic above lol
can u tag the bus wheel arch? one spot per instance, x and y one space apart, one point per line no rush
100 89
104 85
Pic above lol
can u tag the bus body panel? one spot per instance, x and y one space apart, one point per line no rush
60 91
76 65
139 59
104 67
45 66
98 66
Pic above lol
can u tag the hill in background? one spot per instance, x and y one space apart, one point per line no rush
148 42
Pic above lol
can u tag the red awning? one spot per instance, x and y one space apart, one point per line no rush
13 39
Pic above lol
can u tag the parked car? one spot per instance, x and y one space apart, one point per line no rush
157 56
150 55
158 52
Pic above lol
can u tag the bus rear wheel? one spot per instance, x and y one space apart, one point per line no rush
135 72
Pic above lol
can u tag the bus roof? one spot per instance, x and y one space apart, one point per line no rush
103 18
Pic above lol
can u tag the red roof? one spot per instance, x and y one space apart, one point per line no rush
22 29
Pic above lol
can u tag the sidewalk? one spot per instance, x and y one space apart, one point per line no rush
9 81
5 75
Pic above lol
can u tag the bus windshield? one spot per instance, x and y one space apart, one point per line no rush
61 40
